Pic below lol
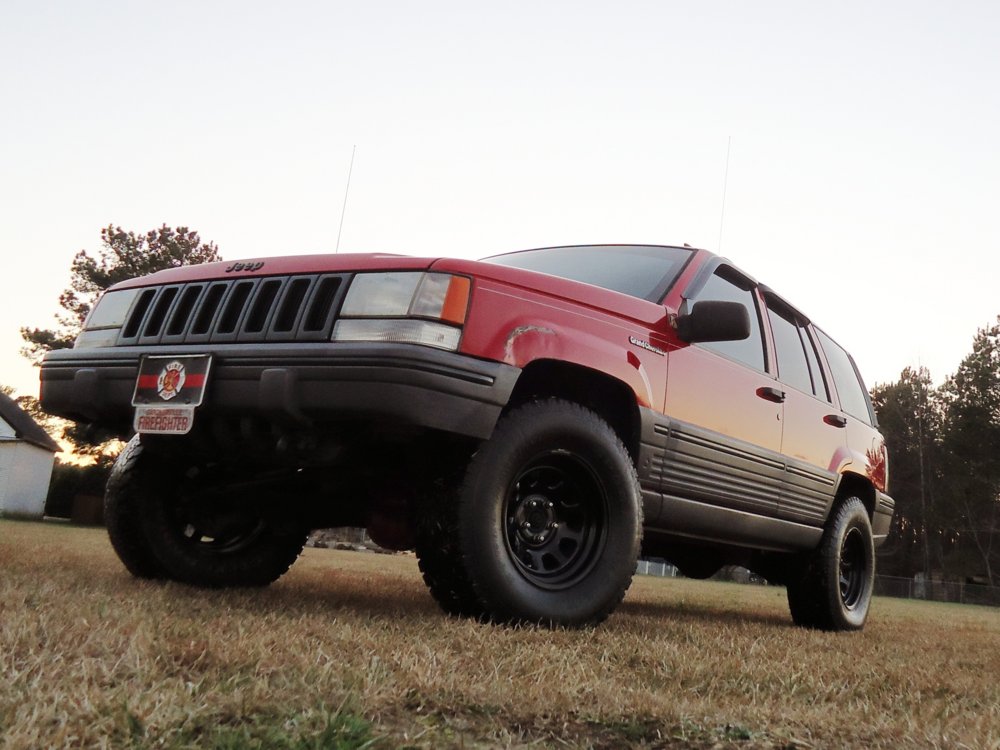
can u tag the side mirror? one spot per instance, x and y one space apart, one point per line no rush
713 320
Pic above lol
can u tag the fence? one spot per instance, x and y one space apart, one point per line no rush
656 568
900 588
938 591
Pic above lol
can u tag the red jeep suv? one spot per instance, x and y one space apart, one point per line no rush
529 424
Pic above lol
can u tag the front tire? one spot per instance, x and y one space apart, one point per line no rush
163 523
550 517
123 514
835 590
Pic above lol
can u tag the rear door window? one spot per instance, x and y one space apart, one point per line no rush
798 365
793 367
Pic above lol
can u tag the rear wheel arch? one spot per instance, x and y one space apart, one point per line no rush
611 399
855 485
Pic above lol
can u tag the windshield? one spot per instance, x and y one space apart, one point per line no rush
644 271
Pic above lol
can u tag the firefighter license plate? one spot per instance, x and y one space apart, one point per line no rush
167 391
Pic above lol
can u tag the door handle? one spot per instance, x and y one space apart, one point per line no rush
835 420
771 394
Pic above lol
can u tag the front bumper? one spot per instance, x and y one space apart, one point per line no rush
397 384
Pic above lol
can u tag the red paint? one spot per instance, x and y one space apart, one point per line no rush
190 381
520 317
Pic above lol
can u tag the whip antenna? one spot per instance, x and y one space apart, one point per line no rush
343 209
725 185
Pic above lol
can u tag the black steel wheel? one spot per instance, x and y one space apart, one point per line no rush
555 519
172 519
854 569
834 591
550 517
214 529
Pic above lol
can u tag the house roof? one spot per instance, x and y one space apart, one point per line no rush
26 428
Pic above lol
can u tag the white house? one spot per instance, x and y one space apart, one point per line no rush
26 457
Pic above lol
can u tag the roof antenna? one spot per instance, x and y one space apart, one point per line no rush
725 185
343 208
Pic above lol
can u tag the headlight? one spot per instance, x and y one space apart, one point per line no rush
405 307
106 319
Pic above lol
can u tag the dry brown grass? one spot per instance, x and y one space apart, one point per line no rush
349 648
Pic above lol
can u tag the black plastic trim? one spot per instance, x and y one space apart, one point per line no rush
388 384
882 518
691 519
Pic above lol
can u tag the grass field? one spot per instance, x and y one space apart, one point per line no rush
349 651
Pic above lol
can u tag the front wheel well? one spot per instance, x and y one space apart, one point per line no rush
606 396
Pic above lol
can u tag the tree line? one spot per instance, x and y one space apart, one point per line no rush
944 467
122 255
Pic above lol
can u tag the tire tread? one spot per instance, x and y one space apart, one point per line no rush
514 428
138 524
814 596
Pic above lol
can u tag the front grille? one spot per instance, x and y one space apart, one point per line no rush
273 308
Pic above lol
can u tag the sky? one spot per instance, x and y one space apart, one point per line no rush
862 180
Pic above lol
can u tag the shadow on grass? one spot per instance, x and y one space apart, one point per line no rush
699 613
333 598
364 595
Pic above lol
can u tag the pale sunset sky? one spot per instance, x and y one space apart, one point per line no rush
863 171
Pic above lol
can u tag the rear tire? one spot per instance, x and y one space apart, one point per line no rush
163 524
550 517
439 555
835 590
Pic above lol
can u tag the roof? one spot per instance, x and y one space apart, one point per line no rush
26 428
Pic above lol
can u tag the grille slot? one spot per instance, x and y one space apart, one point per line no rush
233 309
131 330
262 305
154 322
275 308
182 313
291 305
202 326
321 308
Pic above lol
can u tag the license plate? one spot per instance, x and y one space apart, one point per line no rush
167 390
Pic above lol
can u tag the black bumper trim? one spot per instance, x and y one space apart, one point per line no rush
396 384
